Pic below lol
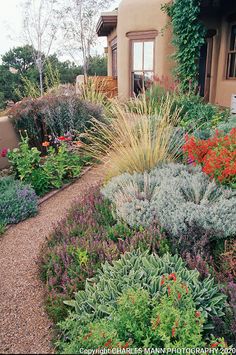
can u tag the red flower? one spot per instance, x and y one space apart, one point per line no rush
179 296
173 332
62 138
216 155
197 314
4 152
214 345
108 343
172 277
163 280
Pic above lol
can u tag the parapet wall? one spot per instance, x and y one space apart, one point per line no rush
8 138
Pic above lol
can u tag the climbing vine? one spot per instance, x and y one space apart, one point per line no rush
188 37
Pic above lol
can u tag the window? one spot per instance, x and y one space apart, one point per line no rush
142 65
231 65
114 57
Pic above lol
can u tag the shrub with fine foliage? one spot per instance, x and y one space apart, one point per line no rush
17 202
53 115
180 198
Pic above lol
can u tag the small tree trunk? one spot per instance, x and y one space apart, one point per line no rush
41 81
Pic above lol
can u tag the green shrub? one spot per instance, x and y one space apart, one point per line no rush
143 300
182 199
57 167
225 126
195 114
2 228
52 115
18 201
145 271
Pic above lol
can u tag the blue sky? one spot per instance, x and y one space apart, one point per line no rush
11 25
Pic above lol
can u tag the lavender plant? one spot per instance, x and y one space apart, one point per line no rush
18 201
182 199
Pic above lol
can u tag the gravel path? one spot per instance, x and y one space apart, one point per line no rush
24 325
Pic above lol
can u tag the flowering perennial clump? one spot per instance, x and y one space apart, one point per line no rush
216 155
18 201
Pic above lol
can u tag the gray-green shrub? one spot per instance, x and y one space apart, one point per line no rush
182 199
17 201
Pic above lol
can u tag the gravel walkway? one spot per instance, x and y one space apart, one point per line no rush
24 325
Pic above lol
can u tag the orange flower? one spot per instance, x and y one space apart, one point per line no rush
46 144
79 144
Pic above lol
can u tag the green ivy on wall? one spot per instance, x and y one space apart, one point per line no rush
188 37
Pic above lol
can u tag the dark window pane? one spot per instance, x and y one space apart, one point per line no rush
232 65
114 62
137 79
233 39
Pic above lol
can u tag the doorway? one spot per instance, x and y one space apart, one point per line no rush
205 65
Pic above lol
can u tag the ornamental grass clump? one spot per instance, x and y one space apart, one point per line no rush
148 300
18 201
135 143
181 199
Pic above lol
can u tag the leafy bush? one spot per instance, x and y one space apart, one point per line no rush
138 320
56 168
175 295
52 115
193 111
18 201
88 237
217 156
196 113
182 199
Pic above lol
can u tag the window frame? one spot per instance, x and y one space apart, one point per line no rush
134 37
230 52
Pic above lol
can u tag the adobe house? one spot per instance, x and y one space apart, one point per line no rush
138 50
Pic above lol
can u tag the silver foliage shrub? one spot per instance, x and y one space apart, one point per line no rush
180 198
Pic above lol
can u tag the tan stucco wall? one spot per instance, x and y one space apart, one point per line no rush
8 138
224 88
139 15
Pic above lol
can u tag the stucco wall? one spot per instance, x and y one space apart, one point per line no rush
224 88
8 138
139 15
